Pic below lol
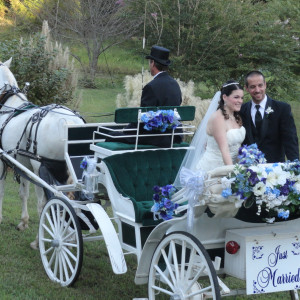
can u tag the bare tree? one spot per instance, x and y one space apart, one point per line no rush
96 24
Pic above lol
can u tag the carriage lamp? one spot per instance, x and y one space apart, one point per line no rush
232 247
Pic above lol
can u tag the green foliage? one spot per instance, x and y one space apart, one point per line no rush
31 63
212 41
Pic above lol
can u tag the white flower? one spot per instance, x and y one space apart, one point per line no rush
297 183
259 189
226 183
269 110
277 177
270 220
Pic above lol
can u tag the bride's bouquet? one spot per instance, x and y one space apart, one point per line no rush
273 188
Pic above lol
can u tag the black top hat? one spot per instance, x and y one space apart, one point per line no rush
160 55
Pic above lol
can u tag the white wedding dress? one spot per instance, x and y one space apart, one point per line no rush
212 157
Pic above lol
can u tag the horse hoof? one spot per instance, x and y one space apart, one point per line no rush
34 245
22 226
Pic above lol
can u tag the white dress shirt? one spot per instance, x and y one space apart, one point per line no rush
262 108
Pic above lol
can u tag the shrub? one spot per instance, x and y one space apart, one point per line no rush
45 65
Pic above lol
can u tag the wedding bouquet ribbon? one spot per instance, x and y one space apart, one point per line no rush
193 184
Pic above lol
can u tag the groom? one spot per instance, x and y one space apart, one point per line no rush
268 123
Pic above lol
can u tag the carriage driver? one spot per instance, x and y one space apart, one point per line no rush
163 90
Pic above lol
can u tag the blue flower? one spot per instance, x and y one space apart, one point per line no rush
226 193
284 214
162 202
83 164
160 120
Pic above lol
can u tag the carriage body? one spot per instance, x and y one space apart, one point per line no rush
128 175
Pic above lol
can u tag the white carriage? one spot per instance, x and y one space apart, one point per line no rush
175 260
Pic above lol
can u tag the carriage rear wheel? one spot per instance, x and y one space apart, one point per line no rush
60 241
182 269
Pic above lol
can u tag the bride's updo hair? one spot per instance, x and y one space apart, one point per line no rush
226 89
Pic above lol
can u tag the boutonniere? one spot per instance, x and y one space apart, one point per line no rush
269 110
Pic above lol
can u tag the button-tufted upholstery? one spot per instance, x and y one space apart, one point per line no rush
135 173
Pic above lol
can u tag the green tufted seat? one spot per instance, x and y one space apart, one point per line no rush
135 173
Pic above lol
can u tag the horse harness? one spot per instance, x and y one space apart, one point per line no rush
36 118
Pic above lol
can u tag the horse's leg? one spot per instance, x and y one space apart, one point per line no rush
24 195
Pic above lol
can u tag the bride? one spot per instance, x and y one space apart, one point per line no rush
220 134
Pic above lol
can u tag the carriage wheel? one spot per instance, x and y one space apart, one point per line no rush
60 241
178 263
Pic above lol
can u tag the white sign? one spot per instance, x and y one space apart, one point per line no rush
273 265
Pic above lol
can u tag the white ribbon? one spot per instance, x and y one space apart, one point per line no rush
193 183
87 177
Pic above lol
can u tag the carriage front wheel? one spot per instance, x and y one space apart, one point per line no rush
60 241
182 269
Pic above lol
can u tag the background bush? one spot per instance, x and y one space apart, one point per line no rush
45 65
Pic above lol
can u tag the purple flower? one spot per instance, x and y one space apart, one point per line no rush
253 179
284 190
83 164
156 189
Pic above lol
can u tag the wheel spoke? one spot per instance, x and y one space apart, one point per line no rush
68 261
166 280
68 235
200 291
48 230
183 253
70 254
64 267
47 251
67 225
58 219
51 259
195 278
54 218
61 277
50 222
56 264
190 265
175 261
168 265
157 288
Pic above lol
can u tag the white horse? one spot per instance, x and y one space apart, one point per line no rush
37 131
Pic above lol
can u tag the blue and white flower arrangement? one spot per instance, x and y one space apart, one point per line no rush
163 207
274 188
160 120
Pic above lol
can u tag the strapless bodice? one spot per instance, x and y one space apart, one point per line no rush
212 157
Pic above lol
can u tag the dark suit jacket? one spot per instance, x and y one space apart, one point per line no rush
278 133
163 90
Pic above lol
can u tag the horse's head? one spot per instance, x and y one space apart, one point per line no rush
7 79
